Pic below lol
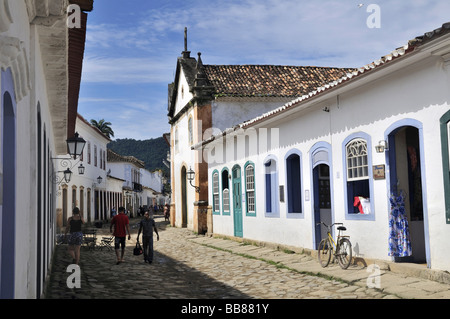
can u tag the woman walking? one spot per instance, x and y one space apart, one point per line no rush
76 236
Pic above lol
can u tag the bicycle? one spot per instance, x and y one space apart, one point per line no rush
341 249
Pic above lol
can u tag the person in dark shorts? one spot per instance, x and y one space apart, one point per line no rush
121 227
75 238
147 225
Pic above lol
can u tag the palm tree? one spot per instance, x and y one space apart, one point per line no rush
104 127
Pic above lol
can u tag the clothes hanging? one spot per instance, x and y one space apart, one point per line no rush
399 238
363 204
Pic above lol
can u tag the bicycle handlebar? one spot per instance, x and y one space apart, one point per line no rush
329 225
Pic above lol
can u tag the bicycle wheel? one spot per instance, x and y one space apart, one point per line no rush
344 253
324 252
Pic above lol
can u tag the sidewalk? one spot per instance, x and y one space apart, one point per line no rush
405 280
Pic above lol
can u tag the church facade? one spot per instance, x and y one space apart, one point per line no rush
206 99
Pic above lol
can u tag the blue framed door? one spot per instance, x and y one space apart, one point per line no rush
237 202
322 190
406 174
322 200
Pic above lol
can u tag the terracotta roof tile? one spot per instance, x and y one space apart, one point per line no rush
270 80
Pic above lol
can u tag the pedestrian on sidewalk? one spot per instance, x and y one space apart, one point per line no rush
121 225
147 225
75 238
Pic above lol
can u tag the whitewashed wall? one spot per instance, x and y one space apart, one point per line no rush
418 92
21 57
183 157
89 179
227 112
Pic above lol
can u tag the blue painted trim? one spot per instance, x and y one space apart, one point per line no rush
391 129
274 188
300 215
321 146
367 138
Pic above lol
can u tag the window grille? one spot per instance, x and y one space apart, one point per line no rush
357 161
250 188
226 200
216 191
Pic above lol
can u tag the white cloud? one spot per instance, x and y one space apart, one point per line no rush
291 32
125 70
295 32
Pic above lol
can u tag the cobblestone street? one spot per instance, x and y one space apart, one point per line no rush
185 268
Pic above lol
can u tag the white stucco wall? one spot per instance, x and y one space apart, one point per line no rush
227 112
87 181
20 46
417 93
184 96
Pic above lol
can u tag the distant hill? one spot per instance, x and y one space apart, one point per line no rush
152 151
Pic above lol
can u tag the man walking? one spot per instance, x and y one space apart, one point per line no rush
121 227
147 225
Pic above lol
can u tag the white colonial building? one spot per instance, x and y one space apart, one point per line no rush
87 191
152 186
140 187
205 99
40 66
370 150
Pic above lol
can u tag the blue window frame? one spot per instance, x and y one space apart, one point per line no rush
271 187
358 177
294 183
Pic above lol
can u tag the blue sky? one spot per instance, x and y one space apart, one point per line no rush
132 46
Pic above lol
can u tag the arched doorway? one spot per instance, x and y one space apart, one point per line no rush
183 197
322 202
8 197
407 177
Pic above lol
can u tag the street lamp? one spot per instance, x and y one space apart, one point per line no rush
81 169
75 145
381 147
99 179
190 178
67 175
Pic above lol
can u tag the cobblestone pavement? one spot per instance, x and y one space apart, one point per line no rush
187 266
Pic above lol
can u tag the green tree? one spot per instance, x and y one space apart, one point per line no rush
152 151
104 127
